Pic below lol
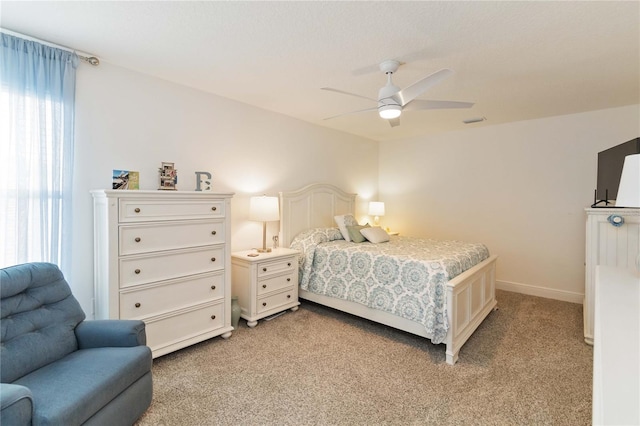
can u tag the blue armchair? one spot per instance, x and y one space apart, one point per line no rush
58 369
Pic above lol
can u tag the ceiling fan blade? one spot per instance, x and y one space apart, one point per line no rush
352 112
411 92
394 122
347 93
424 104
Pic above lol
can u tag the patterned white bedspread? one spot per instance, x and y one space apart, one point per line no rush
405 276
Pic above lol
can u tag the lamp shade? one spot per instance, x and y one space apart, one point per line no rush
629 189
264 209
376 208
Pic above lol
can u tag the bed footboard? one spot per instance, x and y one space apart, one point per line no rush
471 296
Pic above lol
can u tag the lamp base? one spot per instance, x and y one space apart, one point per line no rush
264 250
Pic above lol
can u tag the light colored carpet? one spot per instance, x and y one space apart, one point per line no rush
527 364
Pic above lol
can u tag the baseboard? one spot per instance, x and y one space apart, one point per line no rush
549 293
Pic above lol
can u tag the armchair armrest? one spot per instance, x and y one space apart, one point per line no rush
16 404
110 333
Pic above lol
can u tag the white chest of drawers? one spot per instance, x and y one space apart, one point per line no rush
265 284
163 257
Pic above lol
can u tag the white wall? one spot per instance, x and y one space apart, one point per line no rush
521 188
127 120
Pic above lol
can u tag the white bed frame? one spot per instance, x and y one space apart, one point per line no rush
470 295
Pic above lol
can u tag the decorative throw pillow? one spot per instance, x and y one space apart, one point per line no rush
343 221
355 234
375 235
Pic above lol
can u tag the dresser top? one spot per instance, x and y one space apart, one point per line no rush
273 254
102 193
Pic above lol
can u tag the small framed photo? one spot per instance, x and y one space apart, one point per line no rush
168 177
125 179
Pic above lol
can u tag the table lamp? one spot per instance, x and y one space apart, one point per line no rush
264 209
376 209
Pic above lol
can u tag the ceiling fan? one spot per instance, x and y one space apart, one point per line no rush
392 101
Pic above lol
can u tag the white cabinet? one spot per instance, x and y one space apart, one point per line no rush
609 245
265 284
163 257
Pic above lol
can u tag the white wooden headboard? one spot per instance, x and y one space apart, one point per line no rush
313 206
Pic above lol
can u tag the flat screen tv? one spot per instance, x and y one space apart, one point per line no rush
610 163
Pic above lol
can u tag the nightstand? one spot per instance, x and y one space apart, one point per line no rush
265 284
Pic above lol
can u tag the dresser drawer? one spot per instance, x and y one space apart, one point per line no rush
271 302
143 269
275 283
143 238
277 267
148 210
147 300
167 330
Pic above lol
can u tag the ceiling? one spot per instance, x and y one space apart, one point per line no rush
515 60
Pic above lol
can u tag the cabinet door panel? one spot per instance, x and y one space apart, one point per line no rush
147 210
142 238
169 330
138 303
145 269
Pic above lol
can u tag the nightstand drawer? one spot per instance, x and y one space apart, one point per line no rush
141 238
156 299
276 300
134 270
276 267
167 330
268 285
148 210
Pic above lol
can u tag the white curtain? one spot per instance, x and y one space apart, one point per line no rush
37 101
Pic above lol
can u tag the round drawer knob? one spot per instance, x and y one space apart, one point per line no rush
213 317
137 271
214 208
137 240
213 259
137 305
264 286
288 296
289 264
288 279
264 303
213 232
213 287
137 210
264 269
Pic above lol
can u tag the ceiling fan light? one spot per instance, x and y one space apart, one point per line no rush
389 112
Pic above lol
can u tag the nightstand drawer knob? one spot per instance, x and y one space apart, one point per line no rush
137 210
213 317
213 259
289 264
214 208
137 305
213 287
137 271
213 232
264 303
288 296
264 269
264 286
137 240
288 279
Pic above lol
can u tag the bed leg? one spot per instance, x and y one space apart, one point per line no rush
452 358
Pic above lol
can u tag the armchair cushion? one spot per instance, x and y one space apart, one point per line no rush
38 311
71 390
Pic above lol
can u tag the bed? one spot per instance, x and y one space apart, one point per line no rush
467 298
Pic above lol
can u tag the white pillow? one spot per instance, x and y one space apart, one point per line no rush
375 235
343 221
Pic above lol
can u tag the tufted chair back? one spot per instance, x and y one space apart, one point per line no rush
38 318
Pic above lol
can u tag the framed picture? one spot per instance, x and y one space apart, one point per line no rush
168 177
125 179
